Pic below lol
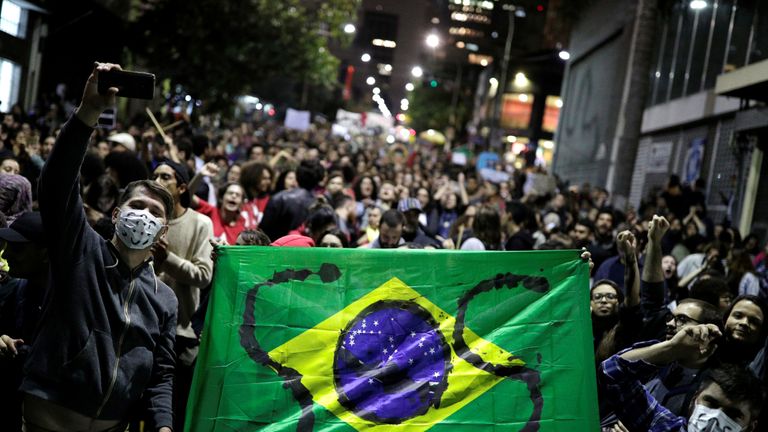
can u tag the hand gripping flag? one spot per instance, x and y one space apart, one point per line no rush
300 339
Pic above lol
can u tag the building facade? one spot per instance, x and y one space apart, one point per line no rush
704 116
22 32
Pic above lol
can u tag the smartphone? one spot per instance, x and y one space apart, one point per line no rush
136 85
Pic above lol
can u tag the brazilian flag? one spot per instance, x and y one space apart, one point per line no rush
302 339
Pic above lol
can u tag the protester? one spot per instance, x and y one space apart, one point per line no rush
728 399
93 285
183 261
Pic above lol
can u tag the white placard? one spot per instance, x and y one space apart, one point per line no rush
295 119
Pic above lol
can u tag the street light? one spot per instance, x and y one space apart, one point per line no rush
365 58
697 4
349 28
370 80
565 55
417 72
433 41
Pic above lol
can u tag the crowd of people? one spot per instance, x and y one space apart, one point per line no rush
109 241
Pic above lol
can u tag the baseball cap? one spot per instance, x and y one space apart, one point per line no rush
26 228
407 204
124 139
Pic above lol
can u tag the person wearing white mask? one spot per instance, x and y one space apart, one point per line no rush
729 398
105 347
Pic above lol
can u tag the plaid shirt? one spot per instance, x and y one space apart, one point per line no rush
634 406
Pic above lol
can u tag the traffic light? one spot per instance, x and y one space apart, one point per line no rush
433 83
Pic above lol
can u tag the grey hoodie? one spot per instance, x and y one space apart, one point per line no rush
106 342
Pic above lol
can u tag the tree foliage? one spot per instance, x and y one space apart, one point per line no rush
431 108
220 49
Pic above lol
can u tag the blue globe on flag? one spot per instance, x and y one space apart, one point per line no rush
391 363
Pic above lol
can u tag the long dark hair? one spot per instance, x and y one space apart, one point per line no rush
487 227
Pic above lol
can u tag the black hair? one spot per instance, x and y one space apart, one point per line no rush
254 237
738 385
320 216
587 223
487 227
335 232
152 188
223 190
250 176
280 183
374 190
199 144
338 199
612 284
709 313
127 167
103 186
392 218
709 290
521 214
309 174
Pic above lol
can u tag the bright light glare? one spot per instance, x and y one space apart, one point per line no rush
565 55
370 80
523 97
404 102
521 80
559 103
349 28
698 4
409 87
417 72
365 58
376 90
391 139
433 41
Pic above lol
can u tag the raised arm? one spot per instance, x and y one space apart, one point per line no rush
208 170
627 244
61 207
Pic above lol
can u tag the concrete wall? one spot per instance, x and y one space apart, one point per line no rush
592 90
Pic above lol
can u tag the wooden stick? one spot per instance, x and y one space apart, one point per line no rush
458 240
157 125
173 125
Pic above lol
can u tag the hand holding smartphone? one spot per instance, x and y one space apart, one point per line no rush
136 85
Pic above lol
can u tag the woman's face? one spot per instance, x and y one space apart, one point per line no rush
668 266
290 181
233 176
366 187
330 241
265 182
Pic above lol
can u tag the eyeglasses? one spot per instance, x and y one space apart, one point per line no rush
682 319
607 296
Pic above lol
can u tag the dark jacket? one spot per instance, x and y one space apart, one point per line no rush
286 211
106 341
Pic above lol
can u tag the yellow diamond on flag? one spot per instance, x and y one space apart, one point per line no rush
379 364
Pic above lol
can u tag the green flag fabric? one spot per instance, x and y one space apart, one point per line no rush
309 339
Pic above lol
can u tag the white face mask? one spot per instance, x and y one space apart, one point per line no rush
706 419
137 229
